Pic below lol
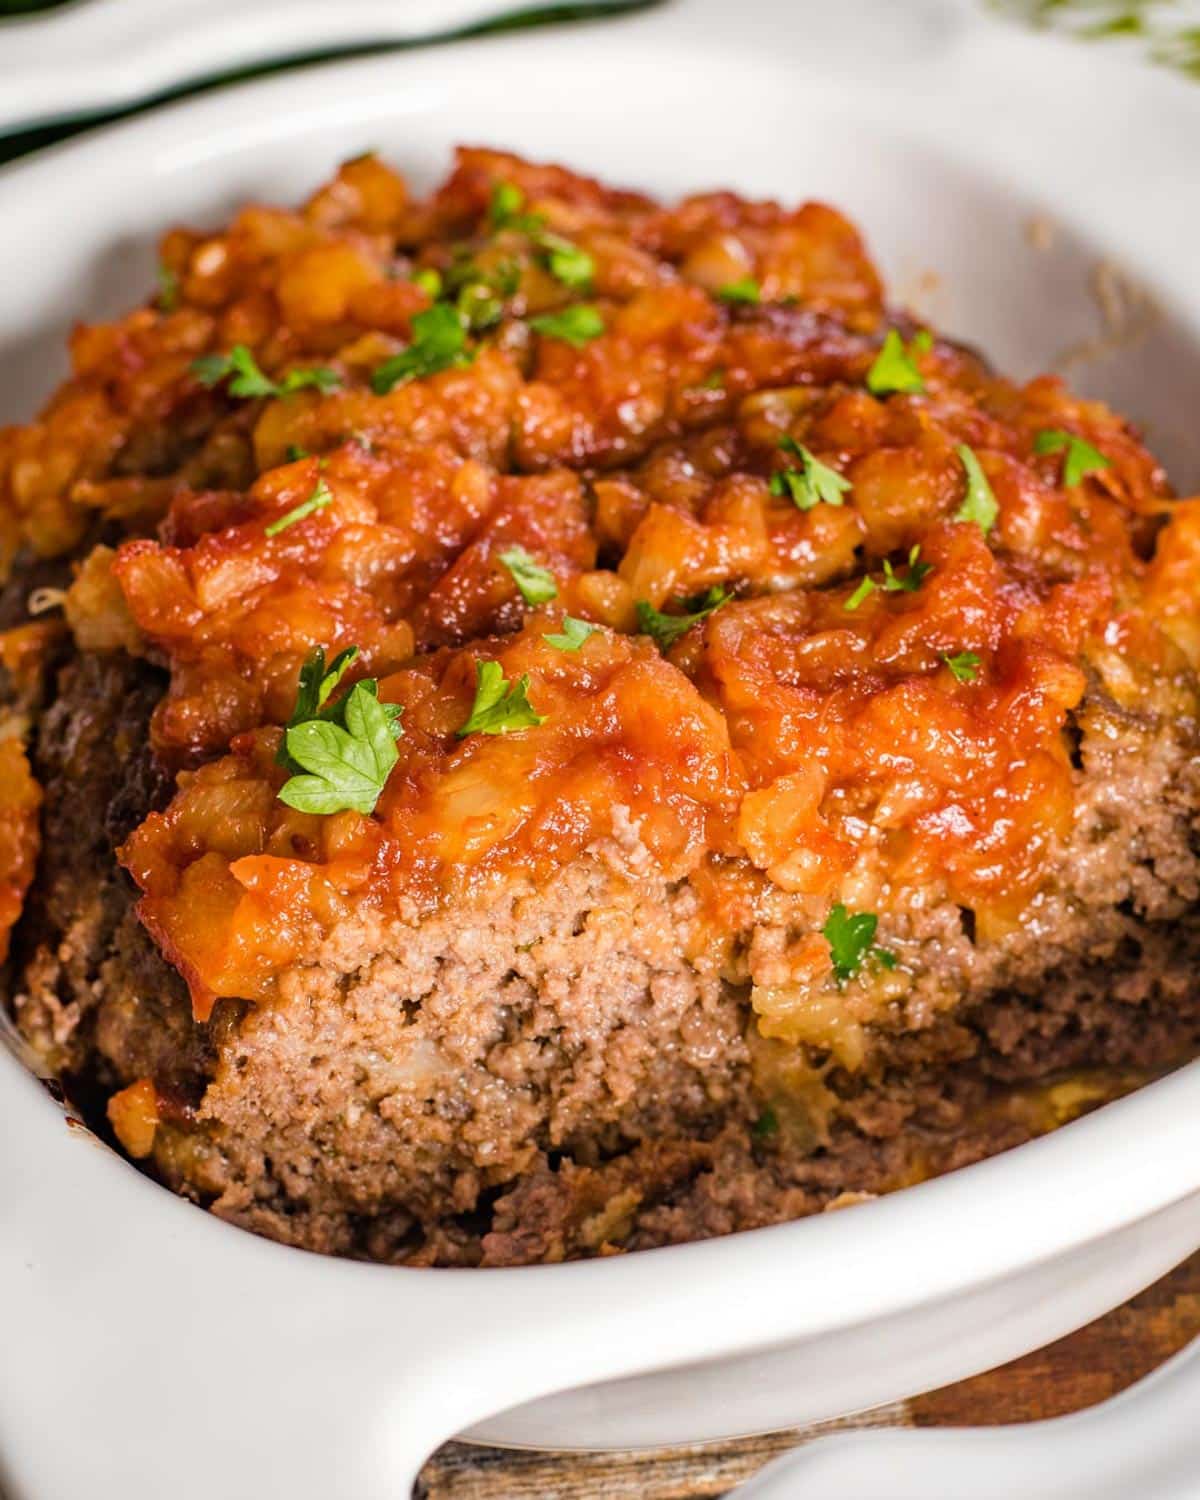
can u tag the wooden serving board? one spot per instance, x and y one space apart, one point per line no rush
1078 1371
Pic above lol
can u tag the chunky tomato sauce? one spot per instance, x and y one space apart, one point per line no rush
878 687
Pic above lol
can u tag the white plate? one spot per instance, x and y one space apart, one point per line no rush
90 56
93 55
147 1345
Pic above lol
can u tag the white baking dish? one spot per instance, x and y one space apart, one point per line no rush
146 1345
91 55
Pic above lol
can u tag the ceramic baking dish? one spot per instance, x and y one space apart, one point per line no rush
147 1345
82 56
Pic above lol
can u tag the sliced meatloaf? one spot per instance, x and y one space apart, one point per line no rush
542 724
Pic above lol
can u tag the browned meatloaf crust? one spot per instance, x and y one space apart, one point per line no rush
835 817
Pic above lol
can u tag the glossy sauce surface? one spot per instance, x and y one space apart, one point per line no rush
807 736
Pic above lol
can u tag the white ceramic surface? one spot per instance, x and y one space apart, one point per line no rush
148 1346
93 55
1141 1445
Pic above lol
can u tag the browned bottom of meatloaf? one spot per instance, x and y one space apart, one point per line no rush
458 1101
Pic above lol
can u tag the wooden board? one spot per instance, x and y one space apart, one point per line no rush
1078 1371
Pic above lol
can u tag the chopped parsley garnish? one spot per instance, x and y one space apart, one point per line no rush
744 289
963 666
479 306
865 587
893 583
499 705
665 630
504 211
507 200
851 940
295 453
812 484
895 368
479 293
573 634
246 379
1082 459
536 583
766 1125
567 262
979 504
341 751
430 282
315 685
713 381
577 325
439 340
168 289
318 500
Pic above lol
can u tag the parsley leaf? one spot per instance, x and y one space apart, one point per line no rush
979 504
574 633
964 666
713 381
851 940
499 705
578 324
507 202
567 262
439 340
430 282
340 775
1082 459
665 630
347 763
895 368
812 484
865 587
536 583
248 381
318 500
479 306
744 289
313 690
503 276
766 1125
913 579
168 289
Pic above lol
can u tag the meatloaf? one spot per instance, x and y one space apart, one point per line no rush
541 723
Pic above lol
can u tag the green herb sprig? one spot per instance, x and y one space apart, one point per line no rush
979 503
813 483
666 629
247 380
321 496
576 325
745 290
343 751
572 636
537 584
910 582
439 342
964 666
895 368
500 705
1081 458
851 939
